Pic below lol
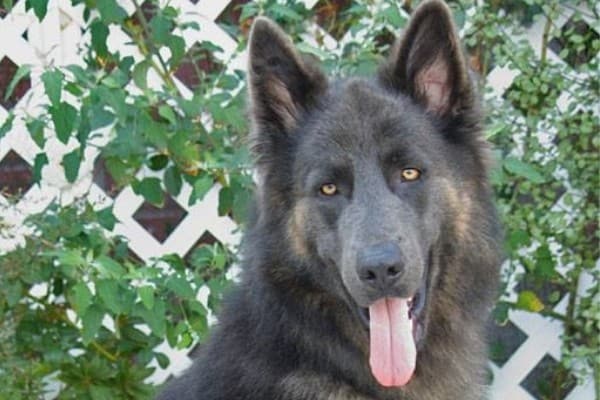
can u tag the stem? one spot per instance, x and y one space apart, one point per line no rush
570 312
185 317
103 351
163 69
545 313
99 348
546 34
63 316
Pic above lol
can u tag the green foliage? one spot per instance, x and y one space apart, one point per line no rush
547 178
82 321
110 294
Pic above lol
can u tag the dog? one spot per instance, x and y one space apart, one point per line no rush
371 262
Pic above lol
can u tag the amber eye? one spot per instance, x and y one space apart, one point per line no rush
410 174
329 189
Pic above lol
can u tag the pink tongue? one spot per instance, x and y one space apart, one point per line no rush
393 351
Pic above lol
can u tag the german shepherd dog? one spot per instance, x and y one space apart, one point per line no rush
372 259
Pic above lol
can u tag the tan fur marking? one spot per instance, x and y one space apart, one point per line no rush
295 232
461 204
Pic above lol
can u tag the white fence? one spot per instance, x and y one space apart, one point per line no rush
58 40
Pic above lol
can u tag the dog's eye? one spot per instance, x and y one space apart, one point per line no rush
410 174
329 189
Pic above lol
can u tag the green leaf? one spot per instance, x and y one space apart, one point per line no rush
160 28
14 293
7 125
180 286
229 82
74 89
219 260
492 131
108 268
158 162
111 12
186 341
106 218
459 17
117 100
173 332
177 46
523 169
315 51
82 298
518 239
241 204
70 257
63 117
249 10
155 317
175 261
225 201
40 8
167 113
108 290
71 163
100 117
529 301
285 12
200 188
140 74
173 181
154 132
99 32
163 360
151 190
36 131
53 80
41 159
119 170
91 321
125 65
84 129
544 263
22 72
101 392
184 151
146 294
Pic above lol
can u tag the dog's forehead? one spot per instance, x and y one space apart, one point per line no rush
360 114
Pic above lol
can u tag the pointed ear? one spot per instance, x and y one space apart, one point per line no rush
428 63
281 83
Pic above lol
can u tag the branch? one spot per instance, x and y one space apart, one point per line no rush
546 34
544 313
164 71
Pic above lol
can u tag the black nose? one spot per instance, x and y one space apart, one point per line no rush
380 265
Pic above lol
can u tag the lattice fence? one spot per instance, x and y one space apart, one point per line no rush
532 342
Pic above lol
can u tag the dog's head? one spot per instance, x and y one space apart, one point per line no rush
370 176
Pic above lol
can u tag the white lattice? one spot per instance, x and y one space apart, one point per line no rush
57 41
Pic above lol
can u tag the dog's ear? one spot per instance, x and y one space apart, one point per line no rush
282 85
428 63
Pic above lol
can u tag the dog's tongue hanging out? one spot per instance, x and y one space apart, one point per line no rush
393 351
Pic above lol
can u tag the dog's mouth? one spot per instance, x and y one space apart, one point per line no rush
416 304
396 330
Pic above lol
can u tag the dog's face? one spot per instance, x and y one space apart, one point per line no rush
367 183
362 171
